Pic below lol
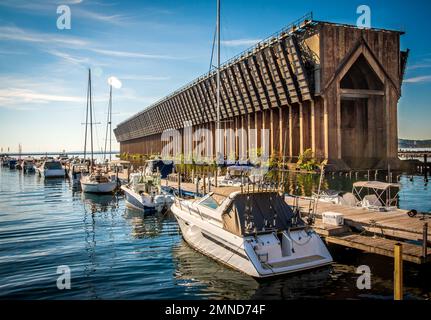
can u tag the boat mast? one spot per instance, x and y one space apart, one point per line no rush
110 123
91 120
86 116
218 139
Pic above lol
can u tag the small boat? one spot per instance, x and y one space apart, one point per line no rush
51 169
75 171
5 161
28 165
237 176
255 233
372 195
12 164
144 192
98 182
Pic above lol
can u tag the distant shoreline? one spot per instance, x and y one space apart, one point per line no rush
41 153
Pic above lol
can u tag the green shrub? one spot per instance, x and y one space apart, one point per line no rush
307 161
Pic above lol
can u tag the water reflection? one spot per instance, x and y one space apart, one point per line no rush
144 225
216 281
219 282
99 202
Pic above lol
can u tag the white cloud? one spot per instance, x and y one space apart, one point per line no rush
419 79
128 54
19 95
145 77
69 58
240 42
18 34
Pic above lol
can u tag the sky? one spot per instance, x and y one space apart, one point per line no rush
155 47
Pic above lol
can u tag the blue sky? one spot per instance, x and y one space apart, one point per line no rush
155 47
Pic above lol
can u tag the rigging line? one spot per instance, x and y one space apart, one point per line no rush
212 51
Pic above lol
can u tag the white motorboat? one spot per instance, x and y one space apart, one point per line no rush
51 169
97 182
76 170
256 233
144 192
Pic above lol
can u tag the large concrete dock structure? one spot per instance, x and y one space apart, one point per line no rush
315 85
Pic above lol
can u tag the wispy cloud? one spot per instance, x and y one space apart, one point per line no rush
113 19
69 58
47 7
144 78
18 34
16 96
419 79
129 54
419 66
25 93
240 42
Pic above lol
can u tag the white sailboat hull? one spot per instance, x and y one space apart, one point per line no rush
105 187
238 252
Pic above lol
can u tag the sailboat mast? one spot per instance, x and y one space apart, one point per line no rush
218 79
86 115
91 121
110 122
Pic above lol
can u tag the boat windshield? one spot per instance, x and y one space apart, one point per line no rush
210 202
53 165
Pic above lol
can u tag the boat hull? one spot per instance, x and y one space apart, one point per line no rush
144 203
107 187
53 173
238 253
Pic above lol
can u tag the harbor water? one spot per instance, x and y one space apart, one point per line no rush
117 253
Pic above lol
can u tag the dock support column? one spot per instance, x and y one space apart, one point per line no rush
398 272
290 131
313 128
325 128
301 129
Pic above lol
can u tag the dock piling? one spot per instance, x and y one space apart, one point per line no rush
398 272
425 240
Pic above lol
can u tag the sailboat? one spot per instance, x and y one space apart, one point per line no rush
256 233
96 181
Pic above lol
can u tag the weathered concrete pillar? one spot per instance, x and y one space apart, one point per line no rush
313 127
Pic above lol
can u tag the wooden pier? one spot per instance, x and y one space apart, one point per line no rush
373 231
363 229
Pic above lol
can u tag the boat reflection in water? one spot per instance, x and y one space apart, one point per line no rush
144 225
215 281
99 202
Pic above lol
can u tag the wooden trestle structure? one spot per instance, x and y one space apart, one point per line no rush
315 85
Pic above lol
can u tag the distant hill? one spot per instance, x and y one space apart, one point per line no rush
405 143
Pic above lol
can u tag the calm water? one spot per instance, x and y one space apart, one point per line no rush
115 253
